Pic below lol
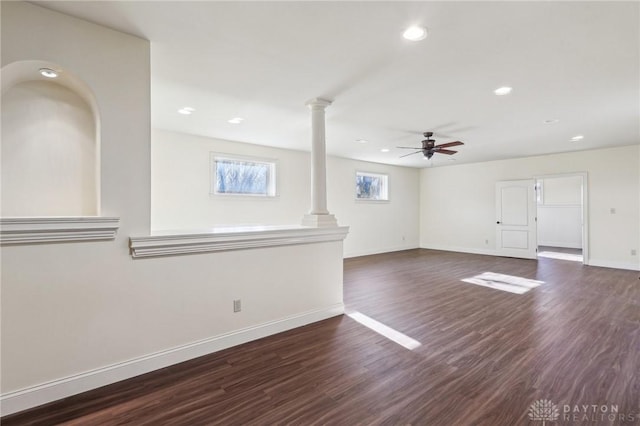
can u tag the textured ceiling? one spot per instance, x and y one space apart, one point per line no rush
577 62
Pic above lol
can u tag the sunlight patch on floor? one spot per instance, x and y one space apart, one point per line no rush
561 256
510 283
386 331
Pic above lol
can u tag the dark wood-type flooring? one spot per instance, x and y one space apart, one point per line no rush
485 355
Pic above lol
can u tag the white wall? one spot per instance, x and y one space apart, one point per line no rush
375 226
560 212
560 226
48 152
180 193
80 315
180 185
561 191
464 200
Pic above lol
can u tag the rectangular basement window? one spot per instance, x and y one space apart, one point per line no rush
372 186
235 175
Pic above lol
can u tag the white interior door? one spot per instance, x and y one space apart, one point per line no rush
516 219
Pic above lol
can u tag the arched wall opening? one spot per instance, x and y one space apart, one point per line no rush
50 143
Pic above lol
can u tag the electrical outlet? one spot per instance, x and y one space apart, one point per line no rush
237 305
486 241
633 252
403 238
613 210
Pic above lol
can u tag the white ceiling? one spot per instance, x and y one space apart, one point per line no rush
578 62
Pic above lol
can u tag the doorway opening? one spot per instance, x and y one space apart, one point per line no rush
561 217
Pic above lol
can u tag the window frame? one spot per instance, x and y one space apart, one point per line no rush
272 178
385 187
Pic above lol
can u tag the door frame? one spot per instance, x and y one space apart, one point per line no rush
584 207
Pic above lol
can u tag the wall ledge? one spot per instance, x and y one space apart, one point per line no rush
53 229
171 243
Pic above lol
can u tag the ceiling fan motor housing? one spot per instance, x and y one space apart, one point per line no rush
428 144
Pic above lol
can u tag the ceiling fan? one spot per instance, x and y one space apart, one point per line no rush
429 147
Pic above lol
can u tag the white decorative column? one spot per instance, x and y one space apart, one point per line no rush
319 215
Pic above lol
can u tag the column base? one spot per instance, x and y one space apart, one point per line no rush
319 220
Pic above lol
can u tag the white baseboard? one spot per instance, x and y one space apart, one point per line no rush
591 262
562 244
23 399
378 251
488 252
614 264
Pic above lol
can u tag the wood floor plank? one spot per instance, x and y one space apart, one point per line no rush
485 355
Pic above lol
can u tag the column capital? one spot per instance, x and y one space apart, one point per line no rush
318 103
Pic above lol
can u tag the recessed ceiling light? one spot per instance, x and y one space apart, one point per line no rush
385 150
362 140
415 33
48 72
577 138
186 110
551 121
501 91
236 120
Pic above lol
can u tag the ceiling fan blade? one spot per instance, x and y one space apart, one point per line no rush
407 147
411 153
446 151
448 144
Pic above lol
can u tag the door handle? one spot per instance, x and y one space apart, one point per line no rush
498 222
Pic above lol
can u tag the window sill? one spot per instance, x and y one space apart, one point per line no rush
251 197
53 229
370 200
169 243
